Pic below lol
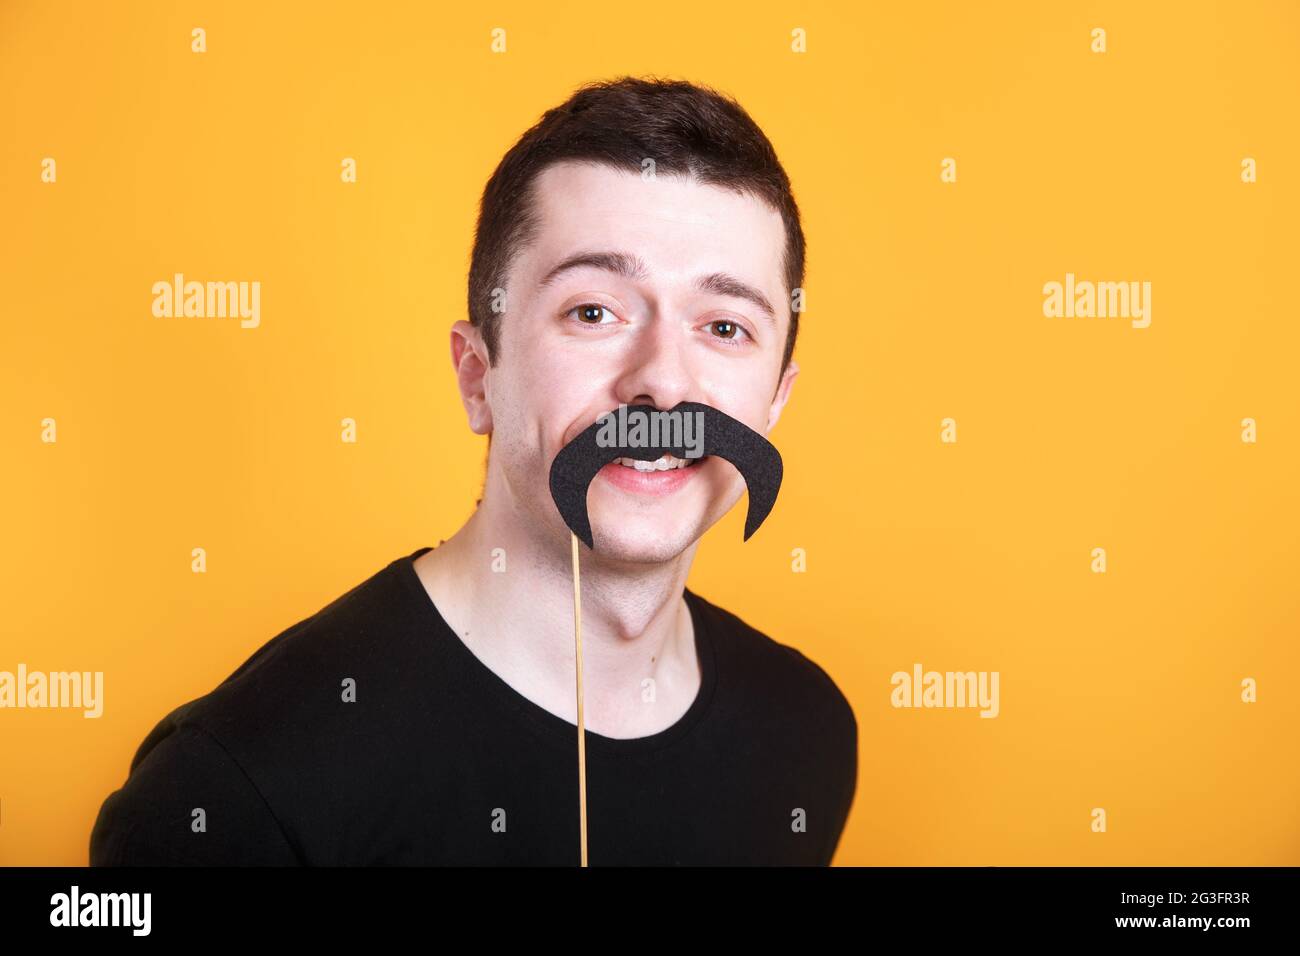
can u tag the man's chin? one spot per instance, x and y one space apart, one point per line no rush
635 541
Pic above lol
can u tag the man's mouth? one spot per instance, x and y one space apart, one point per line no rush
664 476
662 463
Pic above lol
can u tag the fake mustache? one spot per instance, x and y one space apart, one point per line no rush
688 430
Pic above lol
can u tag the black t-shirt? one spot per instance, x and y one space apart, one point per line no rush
439 761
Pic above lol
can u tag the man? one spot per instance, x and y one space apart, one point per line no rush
639 245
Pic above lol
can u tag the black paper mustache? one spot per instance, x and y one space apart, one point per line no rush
688 430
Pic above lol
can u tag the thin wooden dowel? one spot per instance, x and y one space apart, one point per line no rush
582 733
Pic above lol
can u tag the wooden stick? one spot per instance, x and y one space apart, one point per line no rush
582 733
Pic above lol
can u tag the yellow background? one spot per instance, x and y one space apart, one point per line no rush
924 301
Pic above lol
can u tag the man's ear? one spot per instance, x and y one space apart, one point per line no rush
469 359
782 393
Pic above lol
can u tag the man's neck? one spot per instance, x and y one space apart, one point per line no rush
509 597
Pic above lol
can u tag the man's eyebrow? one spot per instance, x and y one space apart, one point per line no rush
620 263
631 267
720 283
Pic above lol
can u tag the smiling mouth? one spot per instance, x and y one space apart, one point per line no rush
662 463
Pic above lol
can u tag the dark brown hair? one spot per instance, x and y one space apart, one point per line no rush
685 128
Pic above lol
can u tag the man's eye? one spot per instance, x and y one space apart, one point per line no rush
591 313
724 329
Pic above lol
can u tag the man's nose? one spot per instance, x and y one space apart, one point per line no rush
657 371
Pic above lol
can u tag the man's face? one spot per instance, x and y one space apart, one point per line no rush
578 341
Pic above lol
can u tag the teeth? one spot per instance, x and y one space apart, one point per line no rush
663 463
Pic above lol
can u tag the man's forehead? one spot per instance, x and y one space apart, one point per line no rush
670 223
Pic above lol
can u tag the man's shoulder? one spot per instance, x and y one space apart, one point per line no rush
305 674
288 714
370 610
778 693
772 667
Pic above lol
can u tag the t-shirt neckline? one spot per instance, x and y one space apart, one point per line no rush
552 725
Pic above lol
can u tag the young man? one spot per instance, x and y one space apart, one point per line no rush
639 245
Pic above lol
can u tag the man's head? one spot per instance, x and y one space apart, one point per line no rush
639 245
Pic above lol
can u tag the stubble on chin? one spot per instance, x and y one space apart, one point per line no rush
641 541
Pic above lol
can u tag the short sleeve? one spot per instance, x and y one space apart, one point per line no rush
187 802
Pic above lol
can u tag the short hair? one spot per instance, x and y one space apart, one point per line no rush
687 129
